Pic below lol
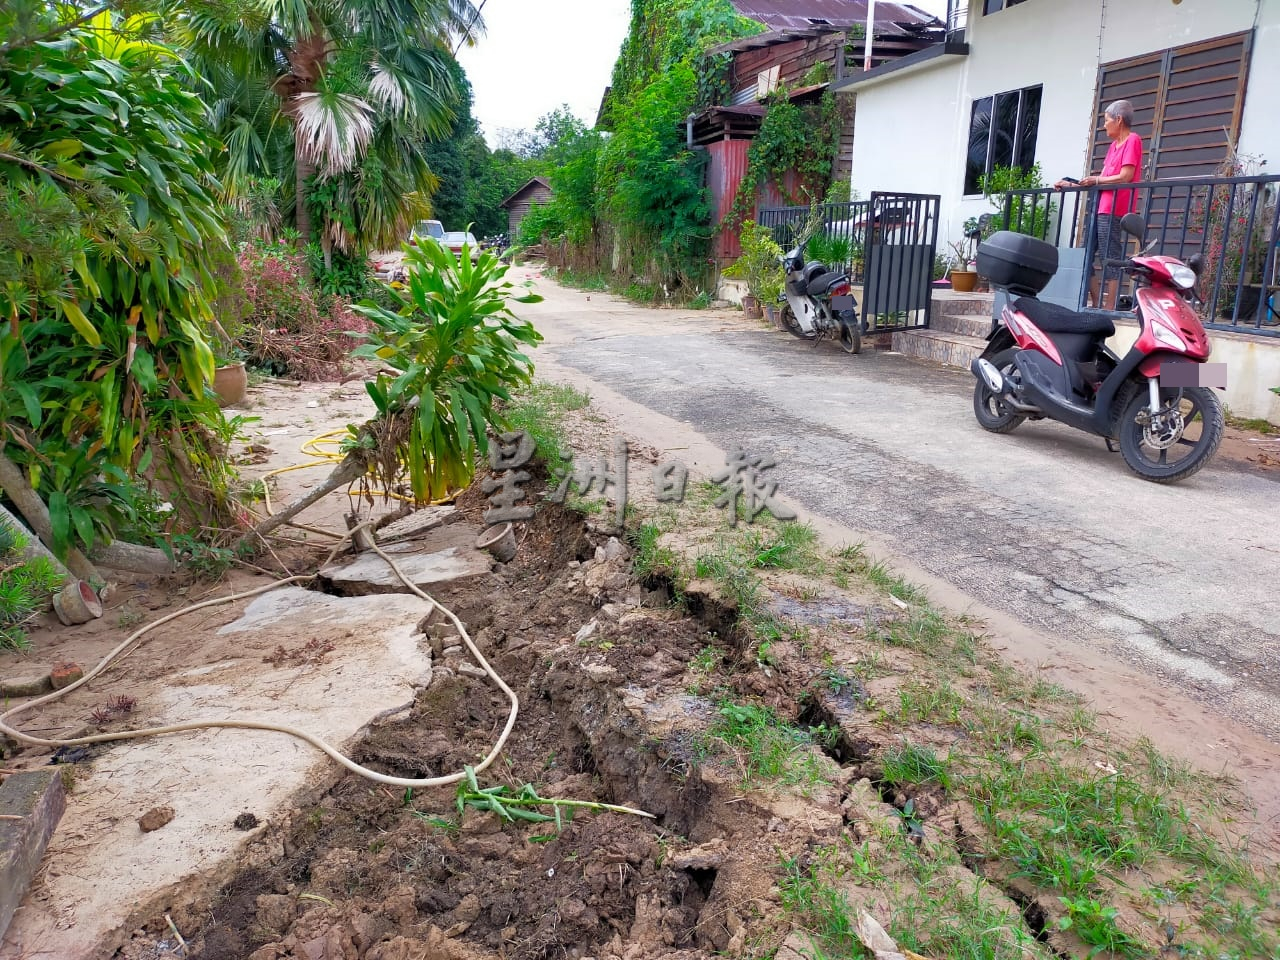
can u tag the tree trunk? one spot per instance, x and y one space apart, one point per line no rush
348 471
326 245
135 558
36 514
306 62
304 169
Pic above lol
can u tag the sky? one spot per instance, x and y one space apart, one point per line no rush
540 54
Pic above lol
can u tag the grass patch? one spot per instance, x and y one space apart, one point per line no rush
592 282
784 546
1256 424
540 410
768 749
652 559
920 702
942 914
853 560
912 764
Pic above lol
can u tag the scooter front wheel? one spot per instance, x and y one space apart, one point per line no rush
1178 440
791 324
993 413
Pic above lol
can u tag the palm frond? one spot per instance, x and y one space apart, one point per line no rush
333 129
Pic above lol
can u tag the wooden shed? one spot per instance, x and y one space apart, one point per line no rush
517 205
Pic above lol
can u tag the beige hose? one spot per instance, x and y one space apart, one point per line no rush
255 725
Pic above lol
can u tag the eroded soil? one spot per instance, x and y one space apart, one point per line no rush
620 691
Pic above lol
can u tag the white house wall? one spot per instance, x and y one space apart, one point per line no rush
1131 28
1259 131
905 133
1043 42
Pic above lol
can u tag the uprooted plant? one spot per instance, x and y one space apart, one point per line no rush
452 347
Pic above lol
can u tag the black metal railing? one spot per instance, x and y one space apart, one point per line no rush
1232 223
838 232
888 244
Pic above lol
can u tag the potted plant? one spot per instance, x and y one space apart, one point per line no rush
759 266
963 275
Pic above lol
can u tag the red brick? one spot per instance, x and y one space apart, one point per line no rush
64 674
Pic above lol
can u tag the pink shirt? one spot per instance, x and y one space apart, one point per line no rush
1125 153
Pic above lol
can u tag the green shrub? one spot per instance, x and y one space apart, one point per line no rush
1023 215
760 265
25 587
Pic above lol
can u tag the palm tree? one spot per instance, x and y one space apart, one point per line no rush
348 76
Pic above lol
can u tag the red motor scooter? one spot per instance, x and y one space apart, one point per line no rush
1046 361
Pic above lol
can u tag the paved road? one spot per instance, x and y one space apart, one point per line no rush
1044 525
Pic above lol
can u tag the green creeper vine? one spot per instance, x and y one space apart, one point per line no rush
804 138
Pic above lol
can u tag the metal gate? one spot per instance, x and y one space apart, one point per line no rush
901 245
892 241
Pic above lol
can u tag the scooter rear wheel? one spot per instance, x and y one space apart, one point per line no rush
1177 443
850 338
994 414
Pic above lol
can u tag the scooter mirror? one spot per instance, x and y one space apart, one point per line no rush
1134 225
1196 263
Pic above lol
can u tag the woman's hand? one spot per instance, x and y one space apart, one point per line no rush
1088 181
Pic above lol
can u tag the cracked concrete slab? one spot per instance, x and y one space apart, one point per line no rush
293 657
443 555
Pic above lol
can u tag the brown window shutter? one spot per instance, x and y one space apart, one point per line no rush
1187 103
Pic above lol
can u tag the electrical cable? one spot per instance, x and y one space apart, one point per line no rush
128 644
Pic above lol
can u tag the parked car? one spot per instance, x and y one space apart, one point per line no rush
456 240
427 228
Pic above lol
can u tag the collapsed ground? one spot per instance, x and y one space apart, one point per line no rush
812 740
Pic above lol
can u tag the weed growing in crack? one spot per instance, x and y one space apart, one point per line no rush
1095 924
767 749
650 559
822 910
912 764
950 915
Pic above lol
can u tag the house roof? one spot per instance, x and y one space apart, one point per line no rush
790 15
511 199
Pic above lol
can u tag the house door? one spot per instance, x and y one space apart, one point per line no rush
1187 103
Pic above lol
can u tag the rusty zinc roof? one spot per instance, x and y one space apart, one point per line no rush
786 15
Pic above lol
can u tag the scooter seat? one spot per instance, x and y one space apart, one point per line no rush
1052 318
820 284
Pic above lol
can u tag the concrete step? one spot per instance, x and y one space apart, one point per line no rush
950 302
952 349
968 324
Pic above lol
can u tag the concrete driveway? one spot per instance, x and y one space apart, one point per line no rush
1172 588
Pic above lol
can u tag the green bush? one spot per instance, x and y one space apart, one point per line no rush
348 275
543 222
109 237
1023 215
760 265
25 587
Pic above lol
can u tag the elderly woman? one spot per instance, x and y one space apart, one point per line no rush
1122 165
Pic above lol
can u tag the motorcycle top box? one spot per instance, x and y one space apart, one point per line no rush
1021 263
